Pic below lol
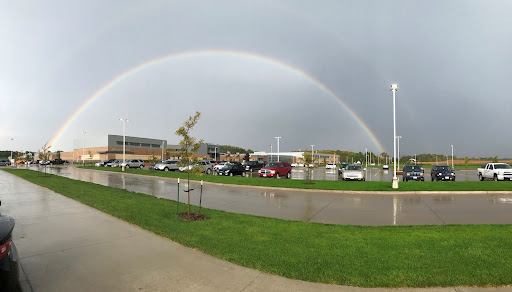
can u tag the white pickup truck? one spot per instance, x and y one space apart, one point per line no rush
495 171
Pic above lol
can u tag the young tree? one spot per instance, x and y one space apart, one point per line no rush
466 160
189 146
58 153
44 154
495 159
307 160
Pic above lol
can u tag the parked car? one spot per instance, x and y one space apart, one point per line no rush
219 165
167 165
44 162
205 165
232 169
104 163
252 165
413 172
294 164
330 166
9 264
312 165
58 161
385 166
114 163
133 163
353 172
276 169
5 163
301 165
343 166
495 171
442 172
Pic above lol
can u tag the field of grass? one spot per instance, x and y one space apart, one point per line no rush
385 256
329 185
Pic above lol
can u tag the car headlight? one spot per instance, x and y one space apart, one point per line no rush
421 174
439 174
273 171
408 174
499 172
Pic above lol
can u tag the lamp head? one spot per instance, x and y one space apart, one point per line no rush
394 87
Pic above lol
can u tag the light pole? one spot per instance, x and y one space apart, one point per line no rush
215 153
415 159
394 184
271 153
312 154
12 160
124 141
162 151
278 148
83 148
366 157
452 156
398 150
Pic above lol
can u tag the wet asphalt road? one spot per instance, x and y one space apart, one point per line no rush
316 206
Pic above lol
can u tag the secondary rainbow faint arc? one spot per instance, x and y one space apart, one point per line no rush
212 53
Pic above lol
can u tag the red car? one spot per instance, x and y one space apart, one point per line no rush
276 169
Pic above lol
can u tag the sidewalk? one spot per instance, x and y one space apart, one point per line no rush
67 246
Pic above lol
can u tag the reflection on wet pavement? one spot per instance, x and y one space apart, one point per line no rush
314 206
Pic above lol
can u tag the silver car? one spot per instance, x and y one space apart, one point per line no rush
167 165
133 163
114 163
353 172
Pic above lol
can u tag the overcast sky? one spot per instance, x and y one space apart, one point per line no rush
451 59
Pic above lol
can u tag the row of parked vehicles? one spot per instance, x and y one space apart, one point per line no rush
409 172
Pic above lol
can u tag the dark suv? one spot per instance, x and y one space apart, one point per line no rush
252 165
413 172
442 172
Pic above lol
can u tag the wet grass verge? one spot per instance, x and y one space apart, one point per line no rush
384 256
329 185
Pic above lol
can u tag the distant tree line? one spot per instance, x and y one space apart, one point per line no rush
234 149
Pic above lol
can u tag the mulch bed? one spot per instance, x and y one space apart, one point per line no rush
194 217
309 183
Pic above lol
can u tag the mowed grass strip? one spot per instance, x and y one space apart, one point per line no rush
390 256
329 185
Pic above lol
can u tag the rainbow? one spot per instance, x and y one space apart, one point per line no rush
213 53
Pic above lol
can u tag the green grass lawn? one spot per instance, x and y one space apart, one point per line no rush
389 256
330 185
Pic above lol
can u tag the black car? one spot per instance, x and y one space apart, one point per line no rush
343 166
232 169
442 172
104 163
413 172
253 165
9 267
58 161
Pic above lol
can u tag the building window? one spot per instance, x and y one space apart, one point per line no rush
155 145
119 142
145 144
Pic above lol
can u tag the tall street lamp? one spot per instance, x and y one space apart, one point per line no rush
394 184
12 160
215 153
278 148
452 156
366 157
83 147
124 141
271 153
398 150
415 161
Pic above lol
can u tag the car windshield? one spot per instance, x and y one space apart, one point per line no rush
502 166
272 164
413 168
354 167
443 168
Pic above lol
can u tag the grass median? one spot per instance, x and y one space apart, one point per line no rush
329 185
389 256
